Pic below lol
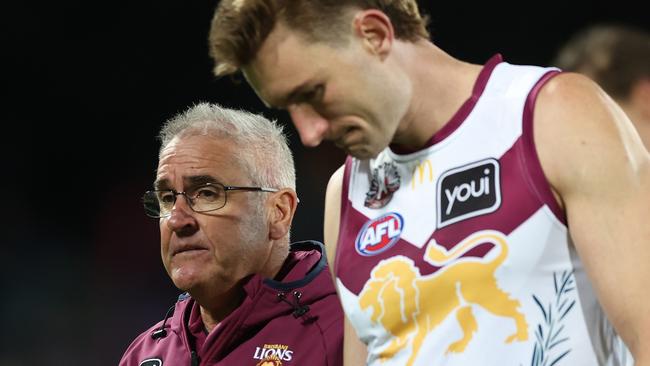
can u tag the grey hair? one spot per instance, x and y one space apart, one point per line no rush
262 147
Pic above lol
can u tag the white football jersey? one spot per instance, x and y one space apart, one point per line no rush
458 254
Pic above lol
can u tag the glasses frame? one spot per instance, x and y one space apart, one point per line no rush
190 200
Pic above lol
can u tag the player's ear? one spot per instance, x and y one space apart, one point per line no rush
281 208
376 30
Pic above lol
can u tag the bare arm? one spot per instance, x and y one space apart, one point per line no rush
597 166
332 215
354 351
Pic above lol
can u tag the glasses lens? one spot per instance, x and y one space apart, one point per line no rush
151 204
205 198
208 198
158 203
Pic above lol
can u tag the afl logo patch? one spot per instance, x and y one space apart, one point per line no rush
380 234
151 362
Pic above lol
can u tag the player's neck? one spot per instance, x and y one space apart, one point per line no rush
441 84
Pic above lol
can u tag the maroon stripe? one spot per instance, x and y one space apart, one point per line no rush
468 106
519 202
524 190
345 204
462 113
530 159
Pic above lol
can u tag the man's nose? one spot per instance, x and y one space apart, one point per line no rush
311 126
182 220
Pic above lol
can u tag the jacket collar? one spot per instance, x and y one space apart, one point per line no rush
265 299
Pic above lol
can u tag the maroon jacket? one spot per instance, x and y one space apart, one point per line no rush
298 321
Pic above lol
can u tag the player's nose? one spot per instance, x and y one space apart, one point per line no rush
311 126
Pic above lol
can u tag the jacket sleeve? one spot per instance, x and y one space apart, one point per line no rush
332 332
135 352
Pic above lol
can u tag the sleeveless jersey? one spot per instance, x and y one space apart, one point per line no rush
458 254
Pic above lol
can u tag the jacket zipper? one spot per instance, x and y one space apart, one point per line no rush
195 359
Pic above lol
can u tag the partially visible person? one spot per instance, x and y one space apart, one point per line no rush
225 198
486 215
618 58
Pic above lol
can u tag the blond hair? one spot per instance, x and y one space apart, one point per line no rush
239 27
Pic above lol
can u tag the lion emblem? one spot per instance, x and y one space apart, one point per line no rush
394 294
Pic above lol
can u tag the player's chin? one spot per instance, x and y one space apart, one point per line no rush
361 152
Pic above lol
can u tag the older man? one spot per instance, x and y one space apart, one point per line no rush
225 198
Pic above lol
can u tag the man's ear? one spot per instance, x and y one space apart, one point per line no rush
376 30
282 208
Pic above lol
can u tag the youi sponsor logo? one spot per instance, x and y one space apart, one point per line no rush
468 191
379 234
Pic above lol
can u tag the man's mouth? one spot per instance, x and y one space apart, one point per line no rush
188 249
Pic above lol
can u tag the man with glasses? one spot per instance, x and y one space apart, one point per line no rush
225 198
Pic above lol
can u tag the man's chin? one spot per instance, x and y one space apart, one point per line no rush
184 279
361 153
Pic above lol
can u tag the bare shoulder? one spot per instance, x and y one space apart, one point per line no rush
571 95
333 213
581 133
596 163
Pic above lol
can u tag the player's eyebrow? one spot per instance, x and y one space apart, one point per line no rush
292 96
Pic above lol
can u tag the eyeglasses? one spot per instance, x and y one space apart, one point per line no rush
204 198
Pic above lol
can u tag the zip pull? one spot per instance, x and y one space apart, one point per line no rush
161 332
298 310
195 359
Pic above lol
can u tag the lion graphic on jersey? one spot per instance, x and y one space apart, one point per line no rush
410 306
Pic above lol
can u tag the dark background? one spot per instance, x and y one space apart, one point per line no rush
86 86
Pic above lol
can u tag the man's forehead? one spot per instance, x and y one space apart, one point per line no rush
279 67
197 151
276 92
189 181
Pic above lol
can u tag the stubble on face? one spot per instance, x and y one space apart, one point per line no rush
362 92
234 237
234 255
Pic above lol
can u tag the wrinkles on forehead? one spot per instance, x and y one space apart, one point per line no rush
190 181
196 160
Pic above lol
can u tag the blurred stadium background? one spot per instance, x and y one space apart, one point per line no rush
86 87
